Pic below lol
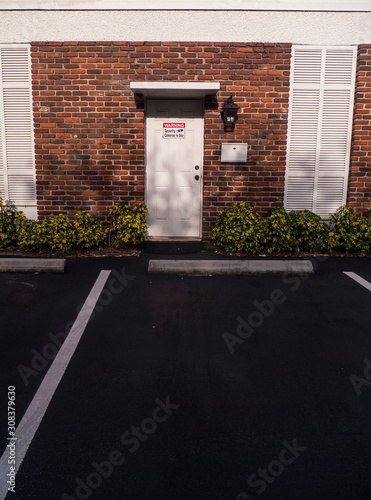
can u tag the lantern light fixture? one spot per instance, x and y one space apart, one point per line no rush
229 114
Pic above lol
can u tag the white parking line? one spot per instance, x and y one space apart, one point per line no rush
359 280
36 411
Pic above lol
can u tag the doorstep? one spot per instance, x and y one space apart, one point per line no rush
172 247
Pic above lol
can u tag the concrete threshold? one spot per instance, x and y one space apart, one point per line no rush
20 265
232 267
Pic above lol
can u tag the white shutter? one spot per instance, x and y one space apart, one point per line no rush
319 128
3 183
17 166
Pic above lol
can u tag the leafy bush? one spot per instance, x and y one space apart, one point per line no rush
58 233
128 225
240 229
237 229
33 235
348 232
11 222
308 231
89 231
276 232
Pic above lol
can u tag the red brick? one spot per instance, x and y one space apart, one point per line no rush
98 117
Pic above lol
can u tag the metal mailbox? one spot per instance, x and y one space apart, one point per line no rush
234 153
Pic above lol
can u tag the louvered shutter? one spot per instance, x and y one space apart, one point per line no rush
319 128
17 166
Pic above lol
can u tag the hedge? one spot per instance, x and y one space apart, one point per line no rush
127 227
240 228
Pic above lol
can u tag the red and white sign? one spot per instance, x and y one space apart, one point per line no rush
173 130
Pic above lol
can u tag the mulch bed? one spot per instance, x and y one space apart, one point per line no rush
49 252
131 251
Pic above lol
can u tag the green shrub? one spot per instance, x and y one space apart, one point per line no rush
128 225
349 233
237 229
309 232
33 235
58 233
89 231
240 229
276 232
11 223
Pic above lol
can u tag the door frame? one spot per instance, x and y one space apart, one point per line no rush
170 100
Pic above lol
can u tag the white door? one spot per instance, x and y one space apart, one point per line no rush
174 153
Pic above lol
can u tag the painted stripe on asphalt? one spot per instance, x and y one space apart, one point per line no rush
358 279
36 411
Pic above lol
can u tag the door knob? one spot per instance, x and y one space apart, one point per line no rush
197 177
197 167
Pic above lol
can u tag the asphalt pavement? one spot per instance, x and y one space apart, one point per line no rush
191 387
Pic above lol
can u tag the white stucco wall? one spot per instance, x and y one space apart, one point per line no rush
325 28
328 5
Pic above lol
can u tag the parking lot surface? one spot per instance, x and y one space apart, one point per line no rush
191 387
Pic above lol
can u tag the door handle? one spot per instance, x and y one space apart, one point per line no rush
197 177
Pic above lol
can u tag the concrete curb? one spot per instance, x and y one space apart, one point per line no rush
233 267
20 265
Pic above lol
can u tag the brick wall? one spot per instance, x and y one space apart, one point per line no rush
90 135
359 192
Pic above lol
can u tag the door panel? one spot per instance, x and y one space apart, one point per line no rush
174 146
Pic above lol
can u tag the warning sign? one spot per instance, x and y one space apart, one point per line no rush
173 130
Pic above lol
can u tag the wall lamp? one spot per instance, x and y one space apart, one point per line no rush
229 114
